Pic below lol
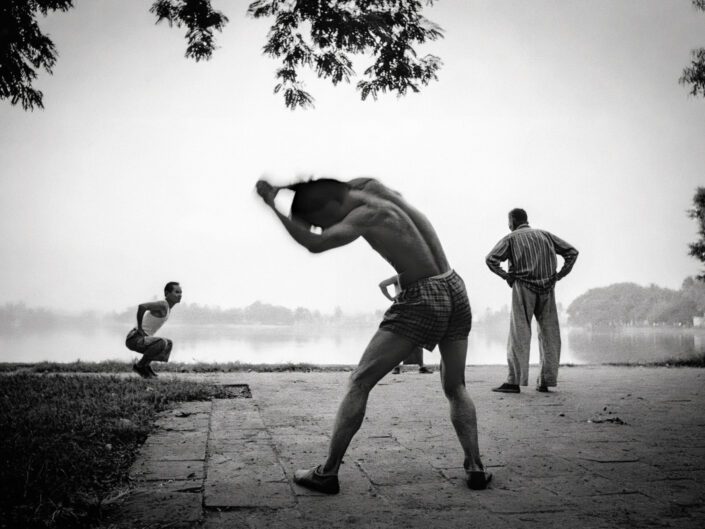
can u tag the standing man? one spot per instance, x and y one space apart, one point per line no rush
431 309
532 277
150 318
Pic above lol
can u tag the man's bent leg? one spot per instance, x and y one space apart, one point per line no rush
385 351
523 301
155 349
549 339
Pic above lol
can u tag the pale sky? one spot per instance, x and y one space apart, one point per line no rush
141 168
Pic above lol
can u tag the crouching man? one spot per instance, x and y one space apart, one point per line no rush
150 318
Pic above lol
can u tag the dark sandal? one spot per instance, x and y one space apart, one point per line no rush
313 480
479 480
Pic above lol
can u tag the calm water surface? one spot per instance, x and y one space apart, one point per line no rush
326 345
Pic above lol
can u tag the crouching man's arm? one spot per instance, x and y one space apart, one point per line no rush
345 232
157 308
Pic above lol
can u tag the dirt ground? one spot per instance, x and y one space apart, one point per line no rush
610 447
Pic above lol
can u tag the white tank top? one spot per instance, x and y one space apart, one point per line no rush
151 324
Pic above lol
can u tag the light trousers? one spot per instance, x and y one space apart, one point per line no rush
527 304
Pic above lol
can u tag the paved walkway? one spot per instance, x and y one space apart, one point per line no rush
612 447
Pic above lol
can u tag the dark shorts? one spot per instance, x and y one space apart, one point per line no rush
430 311
152 347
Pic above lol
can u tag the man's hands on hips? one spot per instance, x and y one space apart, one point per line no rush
510 281
267 191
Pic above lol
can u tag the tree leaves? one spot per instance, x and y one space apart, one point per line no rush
24 49
631 304
316 34
697 249
694 75
200 19
387 29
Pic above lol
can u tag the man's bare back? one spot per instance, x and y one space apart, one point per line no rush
398 232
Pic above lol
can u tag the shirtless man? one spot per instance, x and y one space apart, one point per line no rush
431 309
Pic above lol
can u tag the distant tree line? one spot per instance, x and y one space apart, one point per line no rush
20 316
615 305
497 321
631 304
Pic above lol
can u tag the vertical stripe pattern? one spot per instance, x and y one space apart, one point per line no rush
532 257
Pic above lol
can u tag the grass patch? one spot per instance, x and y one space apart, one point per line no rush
694 361
68 442
111 366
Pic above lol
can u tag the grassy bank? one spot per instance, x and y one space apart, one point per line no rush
68 441
202 367
695 361
113 367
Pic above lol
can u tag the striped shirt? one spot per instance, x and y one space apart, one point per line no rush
532 258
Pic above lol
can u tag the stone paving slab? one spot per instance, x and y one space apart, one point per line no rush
175 445
554 463
160 507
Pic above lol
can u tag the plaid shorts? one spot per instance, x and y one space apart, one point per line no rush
430 311
153 347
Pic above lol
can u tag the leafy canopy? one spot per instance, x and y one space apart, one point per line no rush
694 75
317 34
387 28
24 48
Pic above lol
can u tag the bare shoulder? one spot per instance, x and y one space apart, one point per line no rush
363 214
361 182
371 185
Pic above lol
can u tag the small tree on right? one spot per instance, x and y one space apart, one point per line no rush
697 248
694 75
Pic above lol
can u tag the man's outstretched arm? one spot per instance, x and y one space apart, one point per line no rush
338 235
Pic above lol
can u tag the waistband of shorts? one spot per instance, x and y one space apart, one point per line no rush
444 275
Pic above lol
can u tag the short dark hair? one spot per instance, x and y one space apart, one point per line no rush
170 286
313 195
519 216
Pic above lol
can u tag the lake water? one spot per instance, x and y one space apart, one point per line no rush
336 345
